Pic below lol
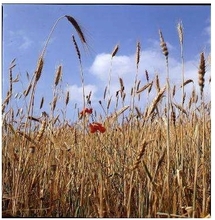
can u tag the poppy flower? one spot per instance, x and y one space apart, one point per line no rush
95 126
86 111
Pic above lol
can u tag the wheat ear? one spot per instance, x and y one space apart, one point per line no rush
201 73
155 102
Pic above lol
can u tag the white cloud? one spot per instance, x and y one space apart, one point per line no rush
76 92
125 67
151 60
26 43
207 31
121 65
20 37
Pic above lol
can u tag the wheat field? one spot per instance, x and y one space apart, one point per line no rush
132 162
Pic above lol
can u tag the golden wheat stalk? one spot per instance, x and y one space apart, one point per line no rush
159 163
138 112
88 98
115 50
147 75
163 45
76 48
155 102
41 131
173 116
109 102
12 65
33 118
150 87
55 120
67 97
186 82
138 54
183 99
54 103
121 85
180 32
194 96
39 69
180 108
138 85
166 53
58 75
157 83
26 92
118 113
26 136
6 101
144 87
140 155
201 73
173 90
77 28
105 92
41 102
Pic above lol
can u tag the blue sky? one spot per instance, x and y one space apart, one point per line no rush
26 27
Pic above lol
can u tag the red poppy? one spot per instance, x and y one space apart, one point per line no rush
95 126
86 111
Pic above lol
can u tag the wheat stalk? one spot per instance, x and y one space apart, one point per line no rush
41 102
163 45
26 136
12 65
105 92
67 97
76 48
133 91
6 101
138 54
121 85
144 87
138 112
77 28
180 31
41 131
54 103
58 75
39 69
115 50
26 92
166 53
117 114
147 75
155 102
140 155
186 82
173 115
173 90
81 69
113 54
157 83
201 73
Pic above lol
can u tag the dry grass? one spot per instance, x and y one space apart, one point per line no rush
52 168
